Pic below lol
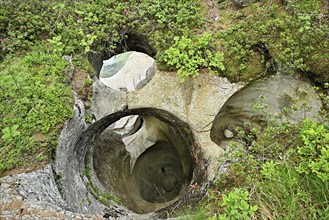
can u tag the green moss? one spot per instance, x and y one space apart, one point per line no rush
104 197
252 69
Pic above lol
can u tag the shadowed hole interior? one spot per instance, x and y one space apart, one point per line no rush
148 166
158 173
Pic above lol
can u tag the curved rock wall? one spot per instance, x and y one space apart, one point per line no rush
280 95
179 117
140 171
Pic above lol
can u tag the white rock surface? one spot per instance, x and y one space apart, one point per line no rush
127 71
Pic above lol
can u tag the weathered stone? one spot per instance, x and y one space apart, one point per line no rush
196 102
127 71
228 133
121 157
106 100
34 195
126 125
169 182
75 141
134 42
261 101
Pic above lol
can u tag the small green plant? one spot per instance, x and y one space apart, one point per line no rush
235 205
9 133
188 55
314 154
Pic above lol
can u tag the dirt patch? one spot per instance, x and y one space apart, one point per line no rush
39 136
81 84
212 16
218 16
23 169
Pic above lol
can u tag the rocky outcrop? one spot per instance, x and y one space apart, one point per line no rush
127 71
146 146
130 130
35 196
280 95
196 102
176 125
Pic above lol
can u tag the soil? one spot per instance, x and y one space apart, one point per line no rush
217 18
81 86
23 169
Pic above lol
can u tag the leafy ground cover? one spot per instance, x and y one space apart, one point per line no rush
82 26
34 103
287 36
261 37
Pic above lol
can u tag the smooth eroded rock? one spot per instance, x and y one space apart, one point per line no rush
127 71
263 100
148 169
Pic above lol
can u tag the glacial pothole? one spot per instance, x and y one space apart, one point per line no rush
144 158
158 173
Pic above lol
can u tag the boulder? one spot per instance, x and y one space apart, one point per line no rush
127 71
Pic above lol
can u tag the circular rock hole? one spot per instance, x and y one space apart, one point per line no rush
144 158
158 173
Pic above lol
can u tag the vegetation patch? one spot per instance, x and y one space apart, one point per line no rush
82 26
287 35
256 38
189 55
34 103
